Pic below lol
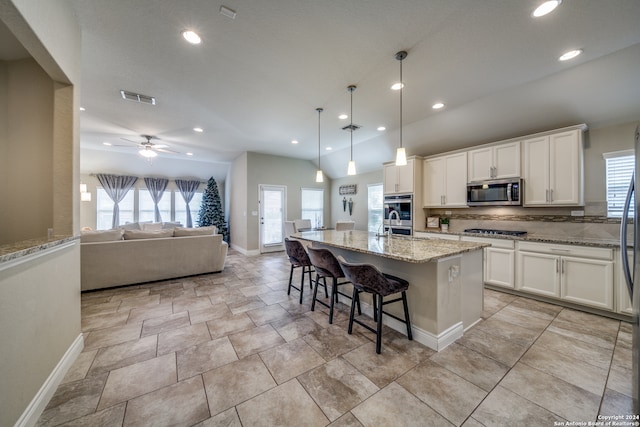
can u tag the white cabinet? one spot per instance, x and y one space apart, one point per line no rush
623 301
445 181
553 171
494 162
499 261
399 179
442 236
579 274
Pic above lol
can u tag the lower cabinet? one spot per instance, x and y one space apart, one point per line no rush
579 274
499 261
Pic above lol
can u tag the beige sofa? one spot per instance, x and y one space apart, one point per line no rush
116 261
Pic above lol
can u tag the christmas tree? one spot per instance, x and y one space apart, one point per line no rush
211 212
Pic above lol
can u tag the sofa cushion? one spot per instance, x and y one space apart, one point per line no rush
142 234
101 236
130 226
200 231
151 226
166 225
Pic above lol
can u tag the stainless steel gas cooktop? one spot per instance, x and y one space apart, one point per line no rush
498 232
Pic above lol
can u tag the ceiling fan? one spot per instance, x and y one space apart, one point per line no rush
148 149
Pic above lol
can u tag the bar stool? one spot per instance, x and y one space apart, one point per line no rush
326 265
298 258
367 278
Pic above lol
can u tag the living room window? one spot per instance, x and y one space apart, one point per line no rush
313 205
619 170
374 207
181 210
146 206
105 209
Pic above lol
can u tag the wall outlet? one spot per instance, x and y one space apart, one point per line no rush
577 213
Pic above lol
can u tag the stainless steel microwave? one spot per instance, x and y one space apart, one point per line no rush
499 192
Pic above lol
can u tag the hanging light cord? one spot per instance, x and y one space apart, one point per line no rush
351 89
401 87
319 110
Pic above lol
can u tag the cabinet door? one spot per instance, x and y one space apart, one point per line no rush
587 281
536 171
433 182
499 267
405 177
455 184
506 160
538 273
390 179
565 168
480 164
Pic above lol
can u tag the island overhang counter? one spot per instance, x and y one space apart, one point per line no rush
445 294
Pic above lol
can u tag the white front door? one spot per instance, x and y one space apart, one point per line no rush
272 202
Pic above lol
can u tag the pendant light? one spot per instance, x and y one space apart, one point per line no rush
401 154
351 169
319 177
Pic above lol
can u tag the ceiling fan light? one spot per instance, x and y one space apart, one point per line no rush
319 176
145 152
401 157
351 168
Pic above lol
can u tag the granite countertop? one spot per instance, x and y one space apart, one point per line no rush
542 238
16 250
408 249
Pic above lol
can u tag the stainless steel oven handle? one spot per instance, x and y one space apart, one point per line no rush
509 198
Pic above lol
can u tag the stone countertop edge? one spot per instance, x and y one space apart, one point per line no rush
12 251
542 238
427 249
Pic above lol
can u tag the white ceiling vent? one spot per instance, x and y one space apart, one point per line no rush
145 99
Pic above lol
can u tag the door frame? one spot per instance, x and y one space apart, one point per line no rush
271 247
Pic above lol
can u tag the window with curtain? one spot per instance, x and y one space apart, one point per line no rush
181 210
619 170
146 207
374 207
105 209
313 205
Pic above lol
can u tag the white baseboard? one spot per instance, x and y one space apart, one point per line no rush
30 415
246 252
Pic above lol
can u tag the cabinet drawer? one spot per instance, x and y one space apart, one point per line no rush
567 250
495 243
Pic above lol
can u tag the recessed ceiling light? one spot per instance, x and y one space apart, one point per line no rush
107 143
189 154
200 130
329 148
295 141
437 105
397 86
381 128
82 108
545 8
570 55
343 117
191 37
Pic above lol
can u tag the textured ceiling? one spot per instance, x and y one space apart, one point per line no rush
254 82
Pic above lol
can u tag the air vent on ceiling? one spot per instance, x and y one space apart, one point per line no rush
145 99
351 127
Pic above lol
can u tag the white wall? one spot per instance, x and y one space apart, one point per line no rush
238 202
360 205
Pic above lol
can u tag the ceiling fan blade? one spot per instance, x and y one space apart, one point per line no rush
133 142
159 145
164 150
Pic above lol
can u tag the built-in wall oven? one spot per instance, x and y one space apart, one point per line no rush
398 212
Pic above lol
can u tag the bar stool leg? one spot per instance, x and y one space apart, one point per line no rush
326 294
315 293
379 328
302 282
375 308
333 295
290 278
406 315
355 297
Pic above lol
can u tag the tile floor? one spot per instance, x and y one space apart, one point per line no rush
232 349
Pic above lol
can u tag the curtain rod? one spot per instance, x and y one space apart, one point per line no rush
170 179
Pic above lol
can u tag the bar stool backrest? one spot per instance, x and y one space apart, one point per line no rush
296 253
366 277
325 262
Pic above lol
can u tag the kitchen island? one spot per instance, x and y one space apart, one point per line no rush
445 279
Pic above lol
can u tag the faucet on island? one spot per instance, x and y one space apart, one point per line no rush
389 233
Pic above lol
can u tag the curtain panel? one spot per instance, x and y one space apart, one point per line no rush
187 190
116 187
156 187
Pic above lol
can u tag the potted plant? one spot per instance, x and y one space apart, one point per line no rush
444 224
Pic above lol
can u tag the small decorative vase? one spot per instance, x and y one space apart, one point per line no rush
444 227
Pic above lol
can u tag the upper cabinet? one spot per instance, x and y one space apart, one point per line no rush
445 181
553 171
399 179
494 162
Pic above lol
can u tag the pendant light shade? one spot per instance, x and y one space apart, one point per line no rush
401 154
351 168
319 175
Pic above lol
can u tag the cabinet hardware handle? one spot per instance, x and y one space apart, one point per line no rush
562 266
551 195
556 265
546 196
560 250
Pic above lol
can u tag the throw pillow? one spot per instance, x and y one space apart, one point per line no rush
141 234
151 226
166 225
200 231
130 226
101 236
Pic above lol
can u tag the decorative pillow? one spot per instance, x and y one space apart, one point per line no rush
141 234
130 226
200 231
166 225
101 236
151 226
